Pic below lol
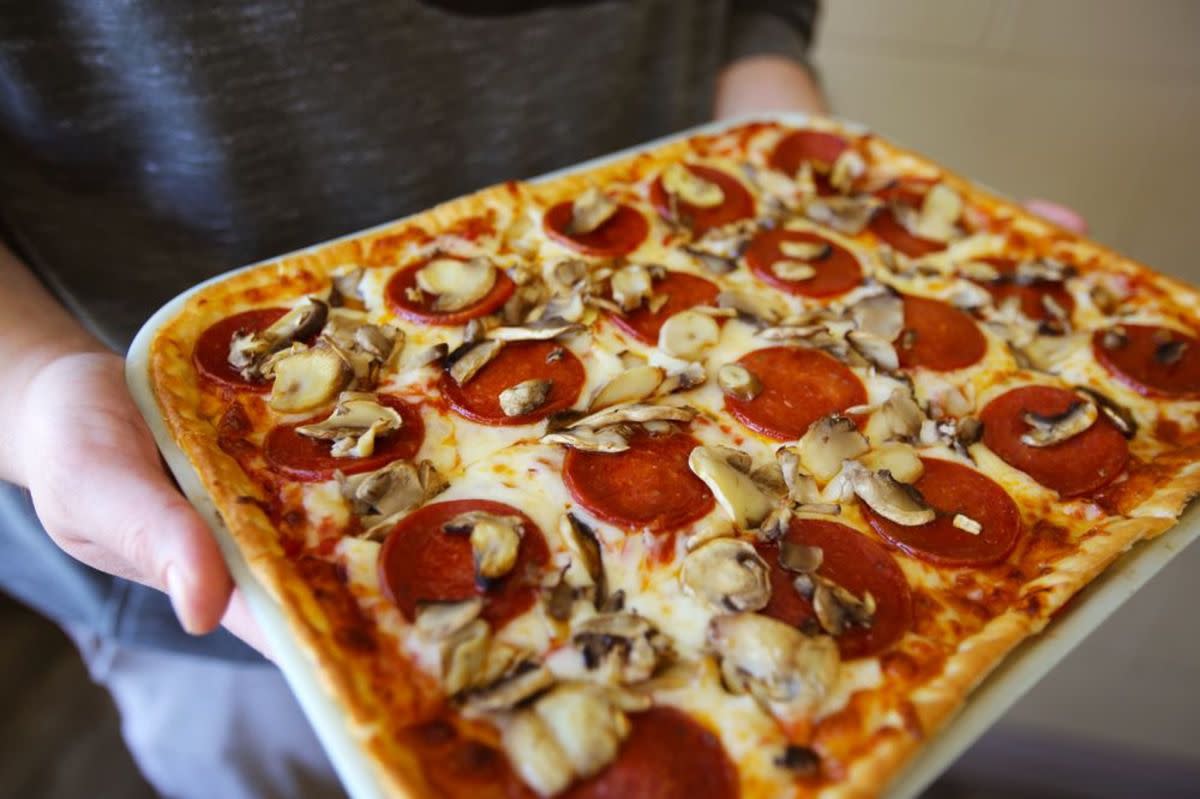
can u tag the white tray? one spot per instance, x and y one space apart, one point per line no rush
1016 675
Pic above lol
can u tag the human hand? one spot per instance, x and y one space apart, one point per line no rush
100 490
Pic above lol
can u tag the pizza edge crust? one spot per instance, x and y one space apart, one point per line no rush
175 387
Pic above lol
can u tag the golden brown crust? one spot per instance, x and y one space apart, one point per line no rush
933 704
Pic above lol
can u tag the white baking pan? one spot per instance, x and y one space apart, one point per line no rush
1016 675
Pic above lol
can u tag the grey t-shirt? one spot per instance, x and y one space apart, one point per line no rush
147 145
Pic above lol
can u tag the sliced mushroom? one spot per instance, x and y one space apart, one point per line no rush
523 683
691 376
837 608
800 558
584 548
619 647
805 250
739 382
456 284
801 486
688 335
525 397
308 379
464 655
542 330
1119 415
875 350
440 620
466 361
759 309
898 458
631 286
690 188
535 755
795 271
891 499
495 541
1045 431
979 271
591 209
727 574
829 442
1042 270
345 283
898 417
587 725
248 351
355 424
632 385
880 314
636 413
849 215
380 495
769 477
939 214
737 494
772 660
587 440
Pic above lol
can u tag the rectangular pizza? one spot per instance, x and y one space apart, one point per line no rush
725 469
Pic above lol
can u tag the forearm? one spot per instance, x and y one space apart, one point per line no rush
767 83
36 331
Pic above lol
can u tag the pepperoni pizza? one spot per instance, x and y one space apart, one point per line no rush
727 469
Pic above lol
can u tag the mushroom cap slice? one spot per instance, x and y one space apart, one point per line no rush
1046 431
875 350
880 314
303 321
619 647
739 382
688 335
631 286
308 379
890 498
849 215
737 494
689 187
727 574
440 620
797 271
804 250
939 214
356 421
776 661
525 397
466 361
521 684
591 209
585 439
631 385
456 284
543 329
636 413
495 541
588 727
829 442
535 754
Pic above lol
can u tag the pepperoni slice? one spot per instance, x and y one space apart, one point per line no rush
799 387
309 459
938 336
856 563
683 291
819 149
479 399
403 285
1152 360
950 489
211 354
836 273
1079 465
666 756
647 487
623 233
738 204
421 562
1030 296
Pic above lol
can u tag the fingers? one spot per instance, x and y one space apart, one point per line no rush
239 621
1060 215
104 497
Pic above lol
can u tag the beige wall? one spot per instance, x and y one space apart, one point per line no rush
1094 103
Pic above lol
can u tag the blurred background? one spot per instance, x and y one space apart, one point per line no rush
1093 103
